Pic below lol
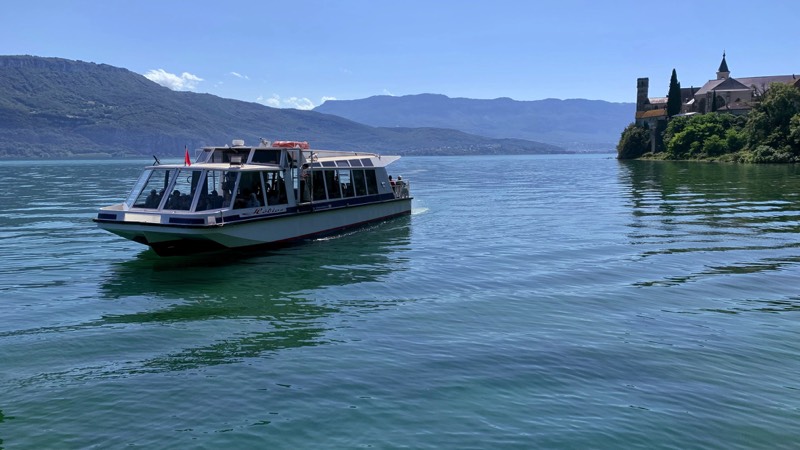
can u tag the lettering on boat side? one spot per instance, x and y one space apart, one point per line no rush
270 210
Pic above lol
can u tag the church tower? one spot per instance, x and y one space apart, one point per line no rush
723 72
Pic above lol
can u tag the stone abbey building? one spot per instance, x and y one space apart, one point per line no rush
723 94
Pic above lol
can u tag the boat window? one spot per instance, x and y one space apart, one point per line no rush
301 180
332 184
267 156
216 190
358 180
355 163
346 182
180 198
250 193
328 163
223 155
372 182
343 163
136 198
318 185
366 162
275 187
218 156
152 193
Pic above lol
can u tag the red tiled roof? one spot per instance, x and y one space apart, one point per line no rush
650 114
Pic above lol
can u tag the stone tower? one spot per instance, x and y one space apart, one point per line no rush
642 91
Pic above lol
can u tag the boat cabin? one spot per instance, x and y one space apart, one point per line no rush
272 178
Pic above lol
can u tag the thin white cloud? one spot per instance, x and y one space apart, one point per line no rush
299 103
183 82
325 99
386 92
238 75
276 101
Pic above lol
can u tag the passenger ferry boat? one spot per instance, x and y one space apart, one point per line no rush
241 196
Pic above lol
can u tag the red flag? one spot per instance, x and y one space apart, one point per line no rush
186 160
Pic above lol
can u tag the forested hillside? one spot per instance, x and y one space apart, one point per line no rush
53 107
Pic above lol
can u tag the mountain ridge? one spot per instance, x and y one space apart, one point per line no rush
577 124
54 107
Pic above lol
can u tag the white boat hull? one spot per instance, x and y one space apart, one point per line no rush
170 239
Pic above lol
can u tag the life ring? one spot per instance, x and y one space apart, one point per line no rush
291 144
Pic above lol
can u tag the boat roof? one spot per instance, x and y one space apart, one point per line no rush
298 150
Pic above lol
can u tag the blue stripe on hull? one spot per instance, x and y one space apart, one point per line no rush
305 208
192 246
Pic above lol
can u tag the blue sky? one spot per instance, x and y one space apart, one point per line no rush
297 53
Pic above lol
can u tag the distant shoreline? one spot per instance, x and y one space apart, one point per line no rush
179 160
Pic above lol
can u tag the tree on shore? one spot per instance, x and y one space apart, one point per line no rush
774 121
674 95
703 136
634 142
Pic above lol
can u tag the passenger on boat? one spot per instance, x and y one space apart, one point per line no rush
305 186
272 197
391 181
281 189
186 202
215 200
401 187
227 188
253 202
174 201
152 200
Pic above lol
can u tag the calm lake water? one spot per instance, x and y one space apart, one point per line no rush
529 302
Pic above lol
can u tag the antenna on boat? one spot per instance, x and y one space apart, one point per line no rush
157 161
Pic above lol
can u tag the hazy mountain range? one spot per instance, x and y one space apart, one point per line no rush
53 107
576 124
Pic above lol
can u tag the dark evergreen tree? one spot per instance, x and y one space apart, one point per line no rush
674 95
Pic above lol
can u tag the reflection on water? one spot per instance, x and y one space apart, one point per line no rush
2 419
733 219
222 308
791 304
279 289
723 198
359 255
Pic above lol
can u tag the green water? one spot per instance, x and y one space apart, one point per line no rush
528 302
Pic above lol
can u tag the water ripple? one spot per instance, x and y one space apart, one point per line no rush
563 301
